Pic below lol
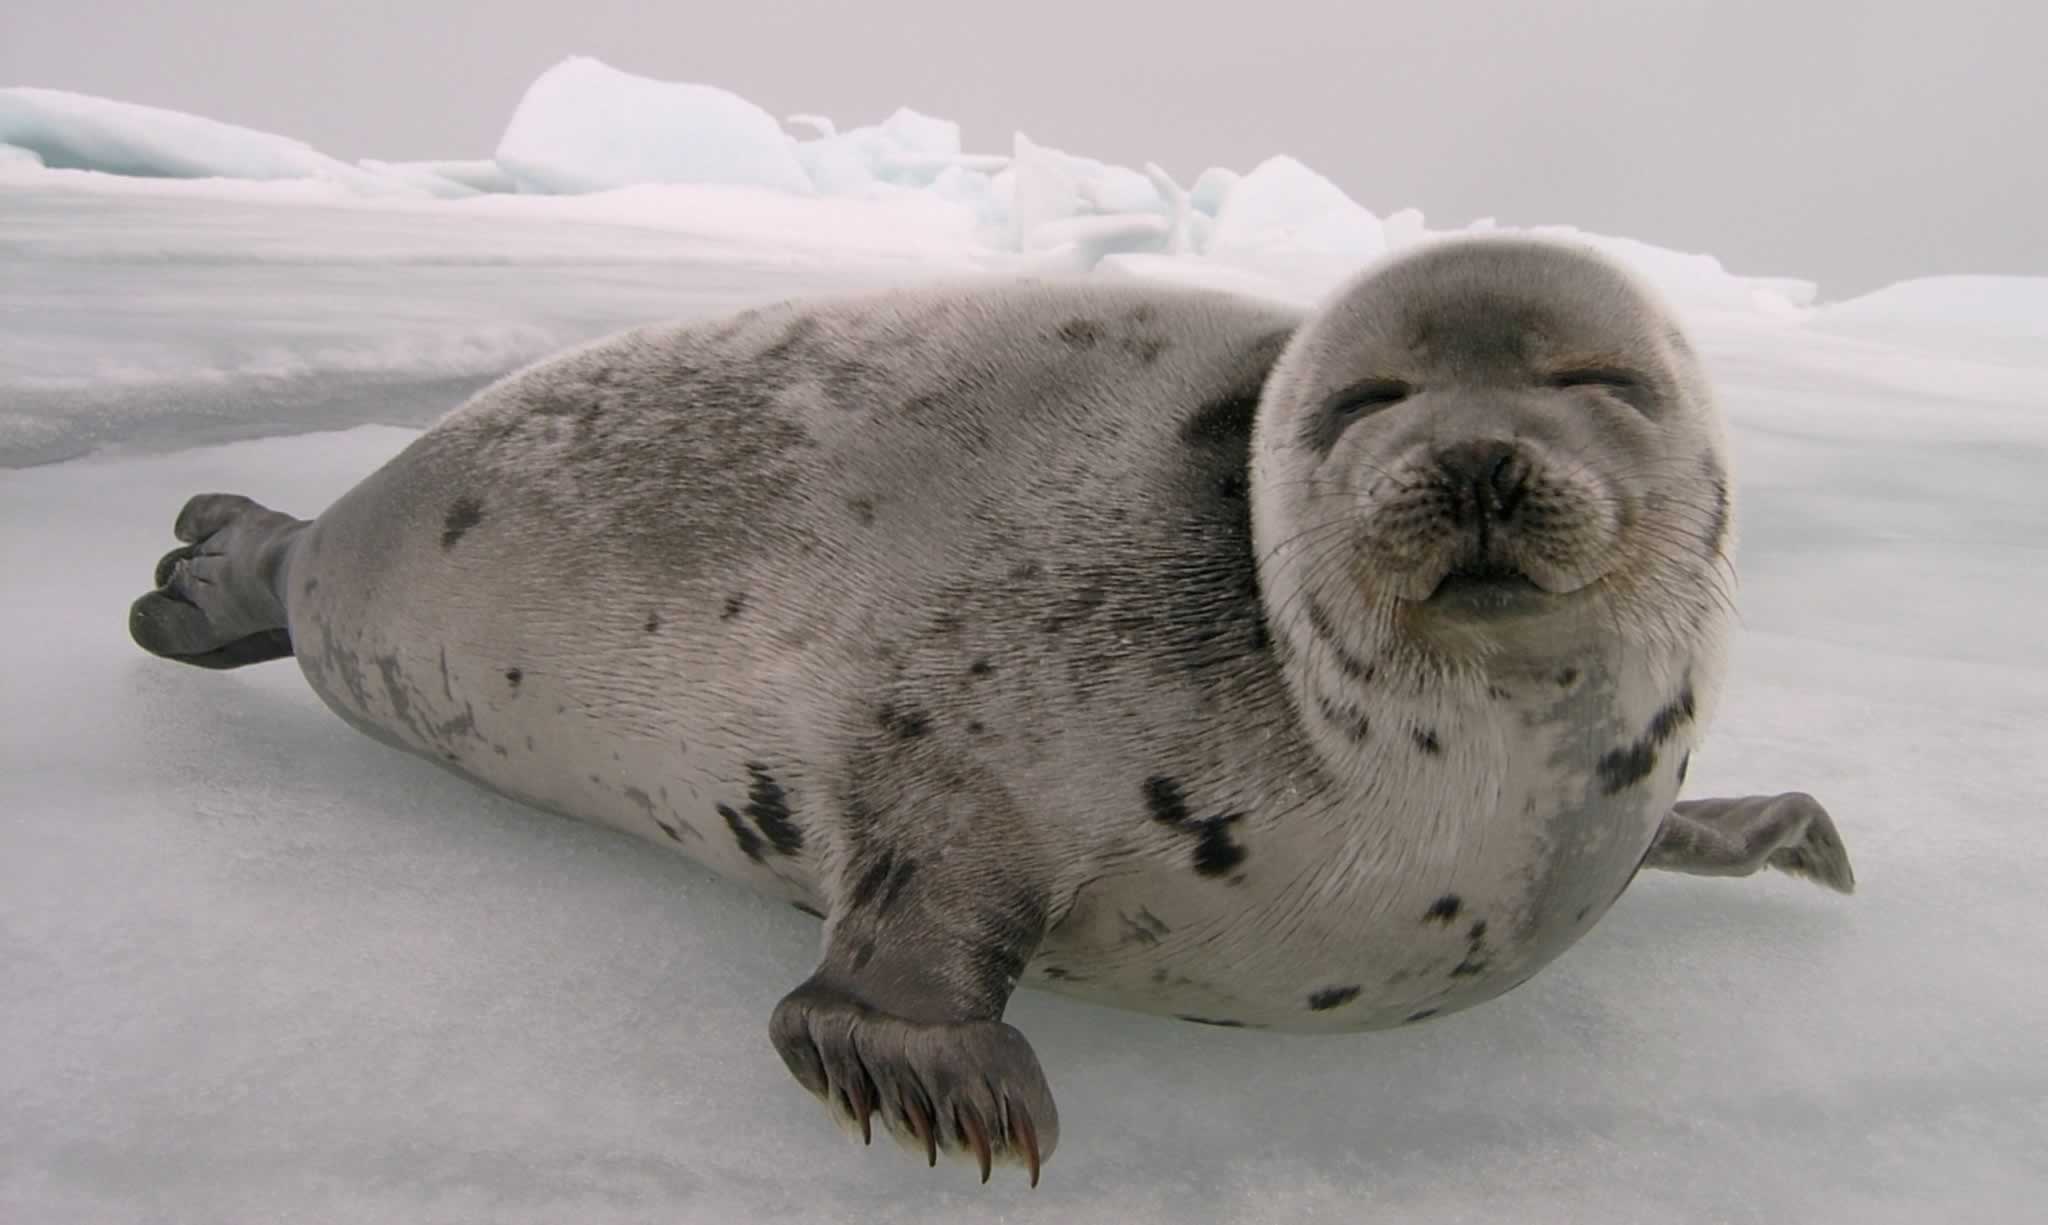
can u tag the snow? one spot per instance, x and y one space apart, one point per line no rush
258 967
221 310
458 177
585 126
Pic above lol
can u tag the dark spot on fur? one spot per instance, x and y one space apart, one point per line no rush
463 514
1672 717
1424 1015
909 724
1080 333
1057 973
981 667
1445 908
1478 932
1497 693
1331 997
674 834
749 843
1078 607
1345 716
768 805
735 604
807 908
1717 521
1326 632
1213 1021
1567 678
1144 928
311 585
892 891
1581 916
863 510
1425 739
1624 767
869 885
975 727
1215 853
1220 422
1621 768
1146 349
1467 968
653 622
1683 762
513 676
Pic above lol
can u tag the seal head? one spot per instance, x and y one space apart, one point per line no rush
1490 454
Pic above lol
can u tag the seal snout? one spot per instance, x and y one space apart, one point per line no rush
1482 484
1488 523
1486 479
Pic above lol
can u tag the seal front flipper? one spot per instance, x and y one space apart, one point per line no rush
902 1018
1736 837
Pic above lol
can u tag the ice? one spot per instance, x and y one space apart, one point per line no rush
1285 221
586 126
1050 187
1282 205
69 131
907 149
594 133
1211 188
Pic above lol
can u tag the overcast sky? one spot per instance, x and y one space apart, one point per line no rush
1852 142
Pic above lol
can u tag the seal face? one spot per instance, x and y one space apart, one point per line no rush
1325 672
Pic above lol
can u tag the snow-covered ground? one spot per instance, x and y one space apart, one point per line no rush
255 967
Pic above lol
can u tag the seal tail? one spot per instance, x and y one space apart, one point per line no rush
219 598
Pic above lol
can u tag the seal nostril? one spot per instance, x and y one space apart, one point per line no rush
1510 481
1493 470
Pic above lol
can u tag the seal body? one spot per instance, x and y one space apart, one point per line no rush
1307 670
719 585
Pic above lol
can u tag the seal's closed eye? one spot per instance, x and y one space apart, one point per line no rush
1365 397
1626 384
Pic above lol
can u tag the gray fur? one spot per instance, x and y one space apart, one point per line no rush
1061 633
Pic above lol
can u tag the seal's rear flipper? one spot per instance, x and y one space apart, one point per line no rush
219 599
1735 837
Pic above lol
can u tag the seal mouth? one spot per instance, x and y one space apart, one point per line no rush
1484 587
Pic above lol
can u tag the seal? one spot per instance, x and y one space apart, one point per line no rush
1324 670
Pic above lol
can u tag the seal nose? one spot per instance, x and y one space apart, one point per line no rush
1488 477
